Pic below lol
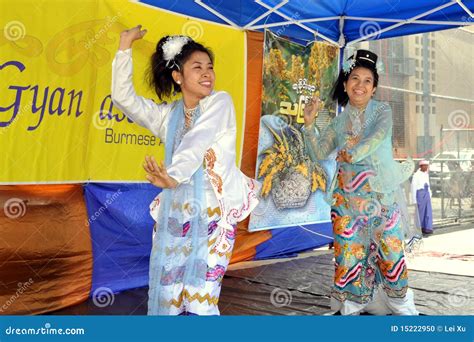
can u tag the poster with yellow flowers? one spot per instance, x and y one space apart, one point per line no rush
293 187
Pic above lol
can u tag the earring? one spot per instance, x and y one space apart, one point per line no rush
179 82
345 90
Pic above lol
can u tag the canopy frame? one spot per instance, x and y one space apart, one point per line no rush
341 43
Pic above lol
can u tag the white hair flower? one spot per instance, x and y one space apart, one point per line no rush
172 47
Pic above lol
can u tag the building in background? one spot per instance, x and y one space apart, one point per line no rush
438 64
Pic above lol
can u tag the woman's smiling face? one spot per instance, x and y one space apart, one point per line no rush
197 76
360 87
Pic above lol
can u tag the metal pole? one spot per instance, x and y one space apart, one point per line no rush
458 177
441 174
426 94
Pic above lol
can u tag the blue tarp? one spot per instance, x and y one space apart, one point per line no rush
121 232
373 15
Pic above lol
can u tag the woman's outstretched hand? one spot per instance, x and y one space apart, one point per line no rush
310 111
157 174
127 37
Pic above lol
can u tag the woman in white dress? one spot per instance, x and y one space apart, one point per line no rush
204 193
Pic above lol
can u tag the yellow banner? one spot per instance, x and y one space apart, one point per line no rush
57 121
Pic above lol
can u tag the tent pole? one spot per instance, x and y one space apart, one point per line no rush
341 61
421 22
468 11
217 14
408 21
315 20
297 23
288 22
342 39
270 11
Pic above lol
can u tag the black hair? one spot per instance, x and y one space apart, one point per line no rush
159 75
338 92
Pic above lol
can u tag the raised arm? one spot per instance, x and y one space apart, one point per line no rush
143 111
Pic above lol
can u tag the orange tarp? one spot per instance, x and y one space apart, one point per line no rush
45 248
246 242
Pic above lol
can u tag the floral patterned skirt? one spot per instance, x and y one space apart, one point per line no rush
368 239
